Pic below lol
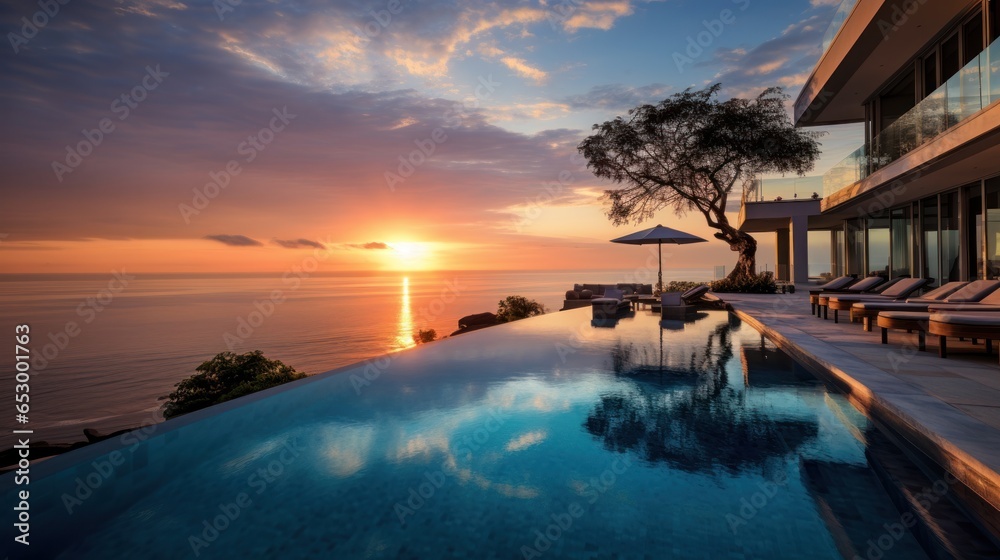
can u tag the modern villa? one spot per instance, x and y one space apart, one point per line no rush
921 194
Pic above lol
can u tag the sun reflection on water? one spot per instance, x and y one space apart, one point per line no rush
404 335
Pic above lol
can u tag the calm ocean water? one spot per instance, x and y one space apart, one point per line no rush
133 346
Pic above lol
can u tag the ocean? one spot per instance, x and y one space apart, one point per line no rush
105 347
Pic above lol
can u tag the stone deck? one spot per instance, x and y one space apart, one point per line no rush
949 408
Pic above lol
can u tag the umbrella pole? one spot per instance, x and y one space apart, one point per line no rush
659 248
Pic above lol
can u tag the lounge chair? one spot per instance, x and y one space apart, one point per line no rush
861 286
867 310
967 325
610 305
675 306
917 319
833 285
898 290
695 294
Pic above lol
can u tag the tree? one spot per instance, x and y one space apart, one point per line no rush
518 307
226 377
689 151
422 336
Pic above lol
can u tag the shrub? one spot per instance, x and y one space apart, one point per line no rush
762 283
515 308
430 335
678 286
226 377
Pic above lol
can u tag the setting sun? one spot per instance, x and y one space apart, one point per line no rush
410 255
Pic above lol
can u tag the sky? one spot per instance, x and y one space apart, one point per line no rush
245 136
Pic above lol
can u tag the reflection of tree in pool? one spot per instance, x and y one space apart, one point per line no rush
700 424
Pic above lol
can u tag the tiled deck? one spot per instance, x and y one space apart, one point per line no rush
950 408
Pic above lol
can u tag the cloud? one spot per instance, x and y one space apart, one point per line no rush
785 60
369 245
297 243
525 70
234 240
597 15
618 97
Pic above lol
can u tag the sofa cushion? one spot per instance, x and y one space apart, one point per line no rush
646 289
570 294
586 294
592 287
577 287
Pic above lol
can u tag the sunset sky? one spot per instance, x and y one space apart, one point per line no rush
302 111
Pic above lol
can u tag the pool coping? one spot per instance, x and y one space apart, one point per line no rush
951 442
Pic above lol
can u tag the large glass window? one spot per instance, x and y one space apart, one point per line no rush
951 61
950 238
993 228
974 231
901 234
929 240
856 247
837 251
878 246
972 38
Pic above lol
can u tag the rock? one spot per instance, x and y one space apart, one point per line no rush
477 320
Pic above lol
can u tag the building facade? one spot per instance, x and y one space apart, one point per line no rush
921 194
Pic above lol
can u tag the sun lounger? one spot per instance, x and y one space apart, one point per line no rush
867 311
695 294
964 325
859 287
917 319
836 284
610 305
900 289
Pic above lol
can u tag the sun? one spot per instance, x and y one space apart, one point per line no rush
410 255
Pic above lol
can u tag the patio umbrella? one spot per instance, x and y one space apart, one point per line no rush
659 235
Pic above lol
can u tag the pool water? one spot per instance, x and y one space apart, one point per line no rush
545 438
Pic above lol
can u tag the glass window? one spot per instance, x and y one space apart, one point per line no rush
972 38
951 62
994 13
993 228
878 246
950 238
929 240
901 234
856 247
837 250
930 74
975 231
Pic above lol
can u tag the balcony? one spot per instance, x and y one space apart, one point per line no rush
965 94
839 18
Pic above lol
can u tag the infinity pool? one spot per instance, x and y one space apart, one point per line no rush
546 438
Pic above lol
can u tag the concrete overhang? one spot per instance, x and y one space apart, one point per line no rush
967 152
877 39
771 216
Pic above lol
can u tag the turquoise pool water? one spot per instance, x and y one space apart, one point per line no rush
546 438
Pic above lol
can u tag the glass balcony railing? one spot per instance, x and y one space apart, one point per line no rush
966 93
838 21
786 188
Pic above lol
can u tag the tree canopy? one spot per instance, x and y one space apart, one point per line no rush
690 151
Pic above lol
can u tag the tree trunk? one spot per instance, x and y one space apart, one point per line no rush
746 246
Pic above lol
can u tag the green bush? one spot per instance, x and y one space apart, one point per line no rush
677 286
515 308
226 377
762 283
430 335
